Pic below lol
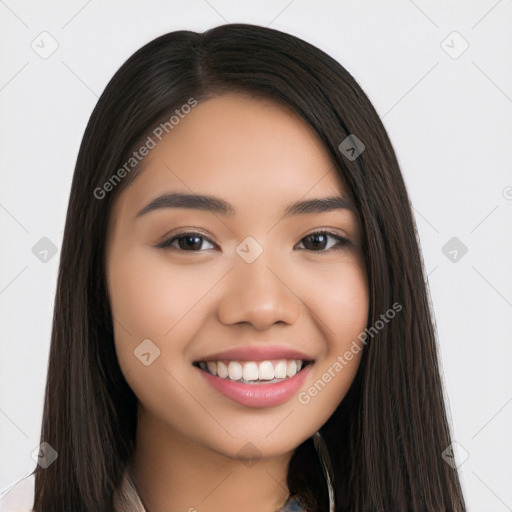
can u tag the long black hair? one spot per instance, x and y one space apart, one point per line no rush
386 437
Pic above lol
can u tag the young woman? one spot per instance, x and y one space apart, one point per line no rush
241 319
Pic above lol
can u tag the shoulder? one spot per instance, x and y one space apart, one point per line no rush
19 497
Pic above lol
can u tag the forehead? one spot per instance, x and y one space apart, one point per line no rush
251 151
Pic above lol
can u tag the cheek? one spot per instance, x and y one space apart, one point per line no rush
143 302
339 301
140 296
339 298
148 296
151 299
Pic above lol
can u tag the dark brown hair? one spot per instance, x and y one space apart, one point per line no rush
386 437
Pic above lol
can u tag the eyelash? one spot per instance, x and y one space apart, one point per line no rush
342 242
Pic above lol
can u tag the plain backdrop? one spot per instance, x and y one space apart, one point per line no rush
438 74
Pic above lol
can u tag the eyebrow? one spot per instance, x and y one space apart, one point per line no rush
222 207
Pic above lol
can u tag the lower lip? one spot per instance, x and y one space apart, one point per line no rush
258 395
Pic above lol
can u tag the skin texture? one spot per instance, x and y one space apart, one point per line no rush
260 157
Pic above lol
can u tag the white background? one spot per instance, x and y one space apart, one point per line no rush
450 121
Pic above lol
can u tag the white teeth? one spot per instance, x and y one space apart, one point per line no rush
291 370
280 370
250 371
266 370
253 371
222 369
235 370
212 367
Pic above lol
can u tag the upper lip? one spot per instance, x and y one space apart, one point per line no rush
258 353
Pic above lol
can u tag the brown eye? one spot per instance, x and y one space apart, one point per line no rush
189 242
318 241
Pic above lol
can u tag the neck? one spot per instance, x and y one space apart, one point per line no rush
172 473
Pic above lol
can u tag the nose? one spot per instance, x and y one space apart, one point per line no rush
258 294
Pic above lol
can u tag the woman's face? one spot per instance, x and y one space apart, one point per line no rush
245 290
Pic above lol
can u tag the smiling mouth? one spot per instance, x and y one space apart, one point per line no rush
254 372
